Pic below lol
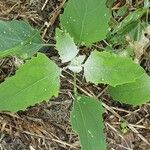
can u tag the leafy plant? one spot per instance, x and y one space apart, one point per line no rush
82 23
124 128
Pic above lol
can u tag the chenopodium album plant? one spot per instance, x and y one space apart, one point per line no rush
83 22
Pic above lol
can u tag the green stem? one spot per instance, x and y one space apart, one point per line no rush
75 85
138 33
146 6
147 15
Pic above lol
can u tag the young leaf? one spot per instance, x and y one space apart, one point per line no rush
85 20
135 93
18 38
76 64
87 121
35 81
108 68
65 46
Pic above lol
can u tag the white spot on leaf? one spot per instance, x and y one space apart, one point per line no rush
90 133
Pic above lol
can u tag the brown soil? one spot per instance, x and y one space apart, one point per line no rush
46 126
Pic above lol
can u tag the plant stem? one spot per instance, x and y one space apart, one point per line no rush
48 44
147 15
75 85
138 33
146 5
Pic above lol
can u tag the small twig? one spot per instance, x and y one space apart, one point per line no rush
44 5
53 18
47 138
122 110
102 92
11 115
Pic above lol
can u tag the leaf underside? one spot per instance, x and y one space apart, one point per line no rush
65 46
35 81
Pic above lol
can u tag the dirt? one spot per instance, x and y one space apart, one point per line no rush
46 126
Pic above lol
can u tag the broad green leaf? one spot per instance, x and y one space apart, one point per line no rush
109 68
135 93
35 81
65 46
86 20
18 38
87 121
130 22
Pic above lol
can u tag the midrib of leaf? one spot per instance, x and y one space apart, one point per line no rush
83 22
84 124
34 83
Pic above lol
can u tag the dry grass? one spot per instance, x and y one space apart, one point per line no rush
46 126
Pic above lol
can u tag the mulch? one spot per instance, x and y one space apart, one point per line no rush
46 126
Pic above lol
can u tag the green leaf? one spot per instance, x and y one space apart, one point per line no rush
109 68
130 22
87 121
136 32
135 93
18 38
122 11
76 64
86 21
65 46
35 81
